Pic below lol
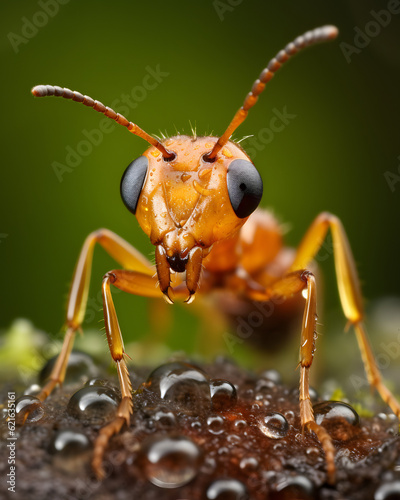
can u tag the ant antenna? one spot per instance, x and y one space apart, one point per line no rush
309 38
49 90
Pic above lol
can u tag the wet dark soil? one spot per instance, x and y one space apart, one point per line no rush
210 432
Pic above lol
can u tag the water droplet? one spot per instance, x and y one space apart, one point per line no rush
234 439
313 451
289 415
270 477
240 424
248 394
95 405
223 451
277 447
335 409
28 409
388 491
70 450
215 424
272 375
79 369
249 464
264 387
223 395
313 394
274 426
100 382
32 390
69 442
4 414
165 418
209 465
227 489
181 383
170 461
376 428
299 487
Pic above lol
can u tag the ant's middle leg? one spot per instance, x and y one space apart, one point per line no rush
349 291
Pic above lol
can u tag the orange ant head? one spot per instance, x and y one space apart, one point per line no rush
190 192
188 201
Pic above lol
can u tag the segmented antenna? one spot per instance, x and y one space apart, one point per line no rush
49 90
312 37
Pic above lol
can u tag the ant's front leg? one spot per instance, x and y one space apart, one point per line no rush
128 257
137 284
285 288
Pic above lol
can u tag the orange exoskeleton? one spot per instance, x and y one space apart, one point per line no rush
191 196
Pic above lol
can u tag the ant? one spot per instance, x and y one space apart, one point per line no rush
191 195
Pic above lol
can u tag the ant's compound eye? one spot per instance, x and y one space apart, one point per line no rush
245 187
132 182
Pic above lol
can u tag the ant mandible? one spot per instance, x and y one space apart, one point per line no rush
191 196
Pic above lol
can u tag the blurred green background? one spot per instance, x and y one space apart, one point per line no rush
332 156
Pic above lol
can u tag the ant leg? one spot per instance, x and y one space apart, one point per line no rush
307 349
126 255
349 291
57 374
284 288
131 282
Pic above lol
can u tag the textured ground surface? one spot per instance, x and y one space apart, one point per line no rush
196 437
